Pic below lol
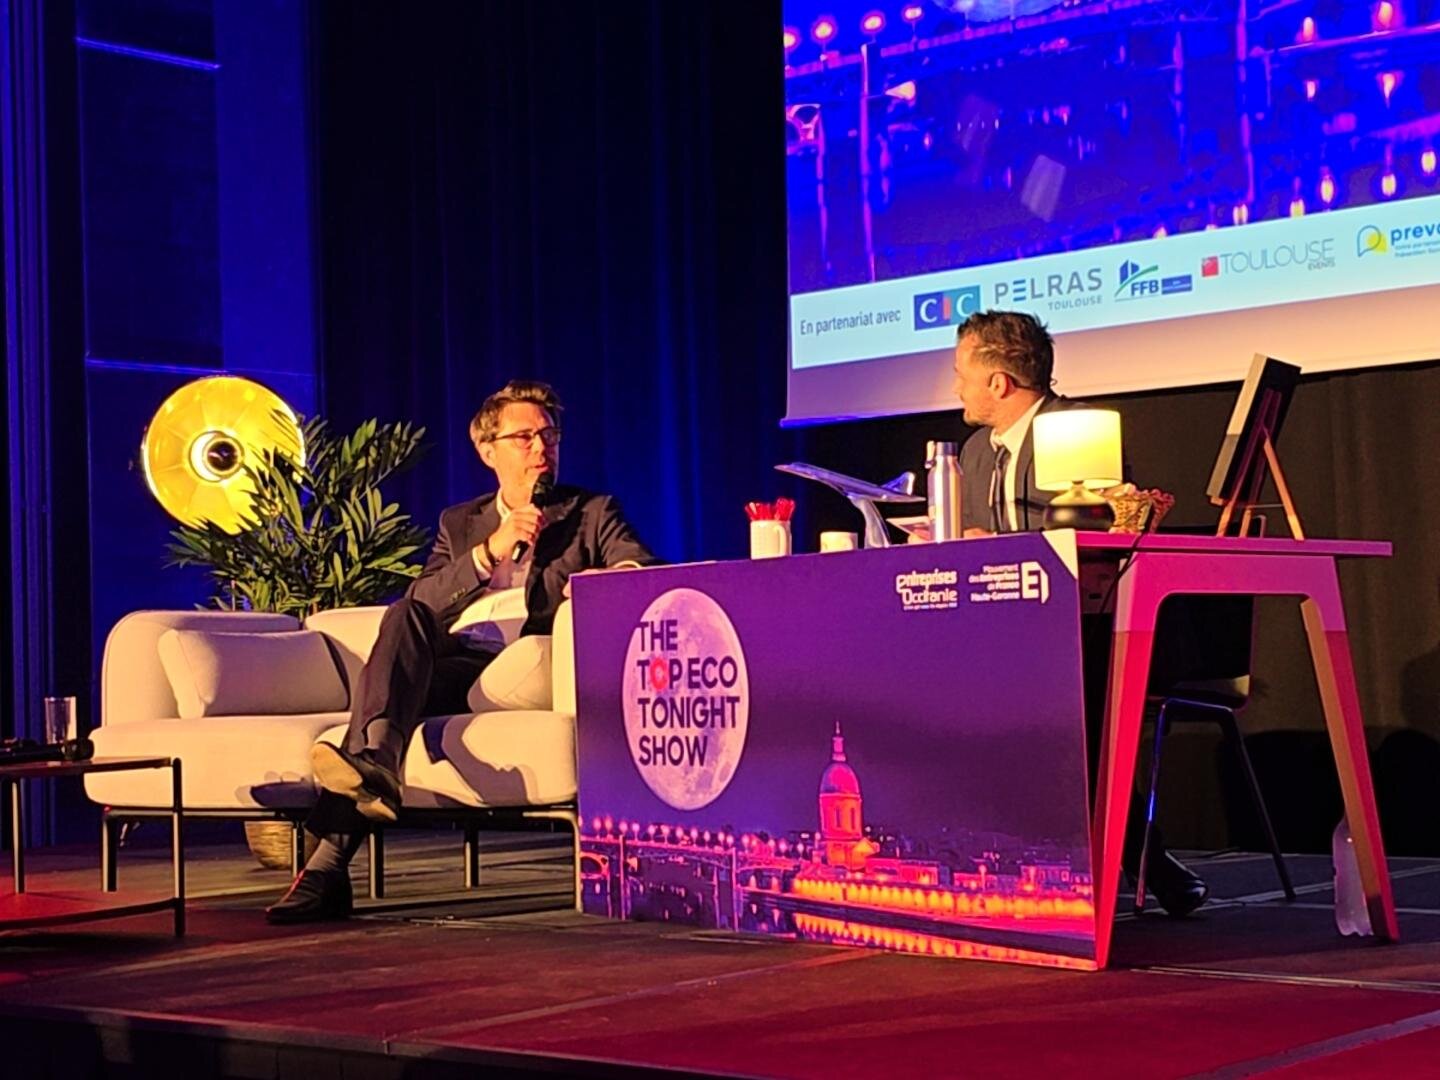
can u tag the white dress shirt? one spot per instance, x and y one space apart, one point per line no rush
1013 438
495 620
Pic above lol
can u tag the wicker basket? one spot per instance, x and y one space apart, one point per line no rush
270 843
1138 511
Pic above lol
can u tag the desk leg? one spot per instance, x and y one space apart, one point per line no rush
109 852
1124 711
177 845
1335 672
572 819
17 832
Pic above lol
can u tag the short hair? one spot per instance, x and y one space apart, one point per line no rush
1014 342
486 423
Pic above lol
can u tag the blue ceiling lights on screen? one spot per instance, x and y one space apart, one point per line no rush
1175 178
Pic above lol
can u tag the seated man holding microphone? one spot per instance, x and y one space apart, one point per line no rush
1004 362
517 547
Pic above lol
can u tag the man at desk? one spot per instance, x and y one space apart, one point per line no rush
1004 362
515 550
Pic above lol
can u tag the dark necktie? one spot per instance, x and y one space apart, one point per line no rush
999 516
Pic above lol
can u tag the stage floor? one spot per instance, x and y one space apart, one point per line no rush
1250 985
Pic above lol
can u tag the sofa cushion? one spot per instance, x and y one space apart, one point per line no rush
232 674
132 680
351 633
519 678
227 762
514 758
494 620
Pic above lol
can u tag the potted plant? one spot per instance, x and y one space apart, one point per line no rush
318 535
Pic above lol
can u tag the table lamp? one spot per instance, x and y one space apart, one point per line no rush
1077 453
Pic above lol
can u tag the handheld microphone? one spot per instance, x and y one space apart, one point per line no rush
539 496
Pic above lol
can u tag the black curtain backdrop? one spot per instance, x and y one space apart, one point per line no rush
593 194
590 194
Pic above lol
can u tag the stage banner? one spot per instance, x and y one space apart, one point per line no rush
880 748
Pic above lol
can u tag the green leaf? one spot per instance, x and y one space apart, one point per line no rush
318 534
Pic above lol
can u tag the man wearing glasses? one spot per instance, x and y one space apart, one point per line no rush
513 556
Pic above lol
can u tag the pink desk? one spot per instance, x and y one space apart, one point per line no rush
1166 565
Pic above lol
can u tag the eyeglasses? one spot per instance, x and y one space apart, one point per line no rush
549 436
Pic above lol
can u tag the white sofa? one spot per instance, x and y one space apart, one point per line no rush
250 705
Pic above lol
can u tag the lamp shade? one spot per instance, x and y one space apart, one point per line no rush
1077 446
196 448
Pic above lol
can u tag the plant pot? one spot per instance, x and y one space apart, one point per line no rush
270 843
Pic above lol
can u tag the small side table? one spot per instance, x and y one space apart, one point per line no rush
21 909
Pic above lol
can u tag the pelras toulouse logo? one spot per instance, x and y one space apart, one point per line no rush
685 693
948 308
1055 292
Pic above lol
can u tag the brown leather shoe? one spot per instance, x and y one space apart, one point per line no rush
375 789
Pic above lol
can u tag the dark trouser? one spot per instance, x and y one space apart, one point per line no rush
416 669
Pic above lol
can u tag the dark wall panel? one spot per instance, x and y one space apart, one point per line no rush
266 270
128 527
150 187
197 254
177 27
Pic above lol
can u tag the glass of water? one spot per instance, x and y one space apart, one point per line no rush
60 724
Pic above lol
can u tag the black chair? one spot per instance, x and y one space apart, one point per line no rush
1201 674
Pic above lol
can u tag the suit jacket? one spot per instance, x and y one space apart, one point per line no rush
977 462
583 531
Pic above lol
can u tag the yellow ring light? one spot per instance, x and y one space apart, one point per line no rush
195 450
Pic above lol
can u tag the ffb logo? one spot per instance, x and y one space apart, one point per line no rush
948 308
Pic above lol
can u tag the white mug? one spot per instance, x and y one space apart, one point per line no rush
839 541
769 539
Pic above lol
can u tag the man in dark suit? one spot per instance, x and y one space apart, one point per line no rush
505 548
1004 365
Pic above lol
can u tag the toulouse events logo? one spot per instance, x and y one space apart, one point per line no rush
1312 255
685 693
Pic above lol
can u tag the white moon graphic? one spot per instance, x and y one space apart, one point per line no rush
703 641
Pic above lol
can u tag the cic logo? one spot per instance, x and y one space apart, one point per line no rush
948 308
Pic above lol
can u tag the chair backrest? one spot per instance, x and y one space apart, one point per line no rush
1203 640
133 685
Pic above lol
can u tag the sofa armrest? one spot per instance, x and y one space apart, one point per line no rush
133 685
562 660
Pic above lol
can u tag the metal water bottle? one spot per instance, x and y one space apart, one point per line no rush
943 489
